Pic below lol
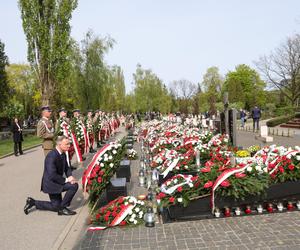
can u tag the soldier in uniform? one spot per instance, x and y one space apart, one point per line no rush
62 127
90 129
45 129
97 128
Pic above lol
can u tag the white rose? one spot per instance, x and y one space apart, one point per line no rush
114 152
131 219
179 199
105 155
258 168
133 216
105 159
265 170
249 169
175 181
110 157
125 203
186 167
135 222
137 209
191 185
298 157
130 212
111 165
101 164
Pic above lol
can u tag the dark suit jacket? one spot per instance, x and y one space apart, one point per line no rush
54 168
17 135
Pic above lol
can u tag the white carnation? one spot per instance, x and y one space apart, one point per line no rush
137 209
249 169
114 151
186 167
105 155
298 157
265 170
130 212
111 165
101 164
258 168
179 199
110 157
175 181
191 184
135 222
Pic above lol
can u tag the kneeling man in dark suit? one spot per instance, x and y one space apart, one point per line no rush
54 183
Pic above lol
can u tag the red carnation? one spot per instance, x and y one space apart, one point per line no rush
98 216
240 175
161 195
291 167
99 179
106 218
225 183
120 200
281 169
114 213
172 199
122 223
101 172
179 189
208 184
194 178
205 170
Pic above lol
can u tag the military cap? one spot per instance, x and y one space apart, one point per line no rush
46 108
76 110
62 109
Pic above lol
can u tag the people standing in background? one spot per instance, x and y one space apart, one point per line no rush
242 117
16 129
256 113
45 129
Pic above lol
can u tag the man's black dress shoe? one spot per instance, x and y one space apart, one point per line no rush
29 204
65 211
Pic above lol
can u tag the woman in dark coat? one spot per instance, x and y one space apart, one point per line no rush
17 136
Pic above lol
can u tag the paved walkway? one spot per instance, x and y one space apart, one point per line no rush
20 177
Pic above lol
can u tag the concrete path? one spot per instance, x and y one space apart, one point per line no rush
20 177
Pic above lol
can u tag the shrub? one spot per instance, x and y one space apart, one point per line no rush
279 120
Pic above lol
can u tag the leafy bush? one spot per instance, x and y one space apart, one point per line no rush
279 120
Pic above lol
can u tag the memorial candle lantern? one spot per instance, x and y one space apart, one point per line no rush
142 178
237 211
198 158
298 205
232 160
248 210
217 212
227 212
280 207
259 209
270 208
149 217
290 206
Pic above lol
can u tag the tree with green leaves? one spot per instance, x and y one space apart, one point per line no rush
212 85
150 93
91 74
47 29
3 77
244 85
23 86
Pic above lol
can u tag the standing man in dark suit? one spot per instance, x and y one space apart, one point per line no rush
54 183
16 129
256 116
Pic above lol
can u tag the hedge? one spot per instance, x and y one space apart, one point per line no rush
279 120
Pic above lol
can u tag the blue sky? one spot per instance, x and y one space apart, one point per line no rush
175 38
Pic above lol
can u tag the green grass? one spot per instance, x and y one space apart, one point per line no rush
7 145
